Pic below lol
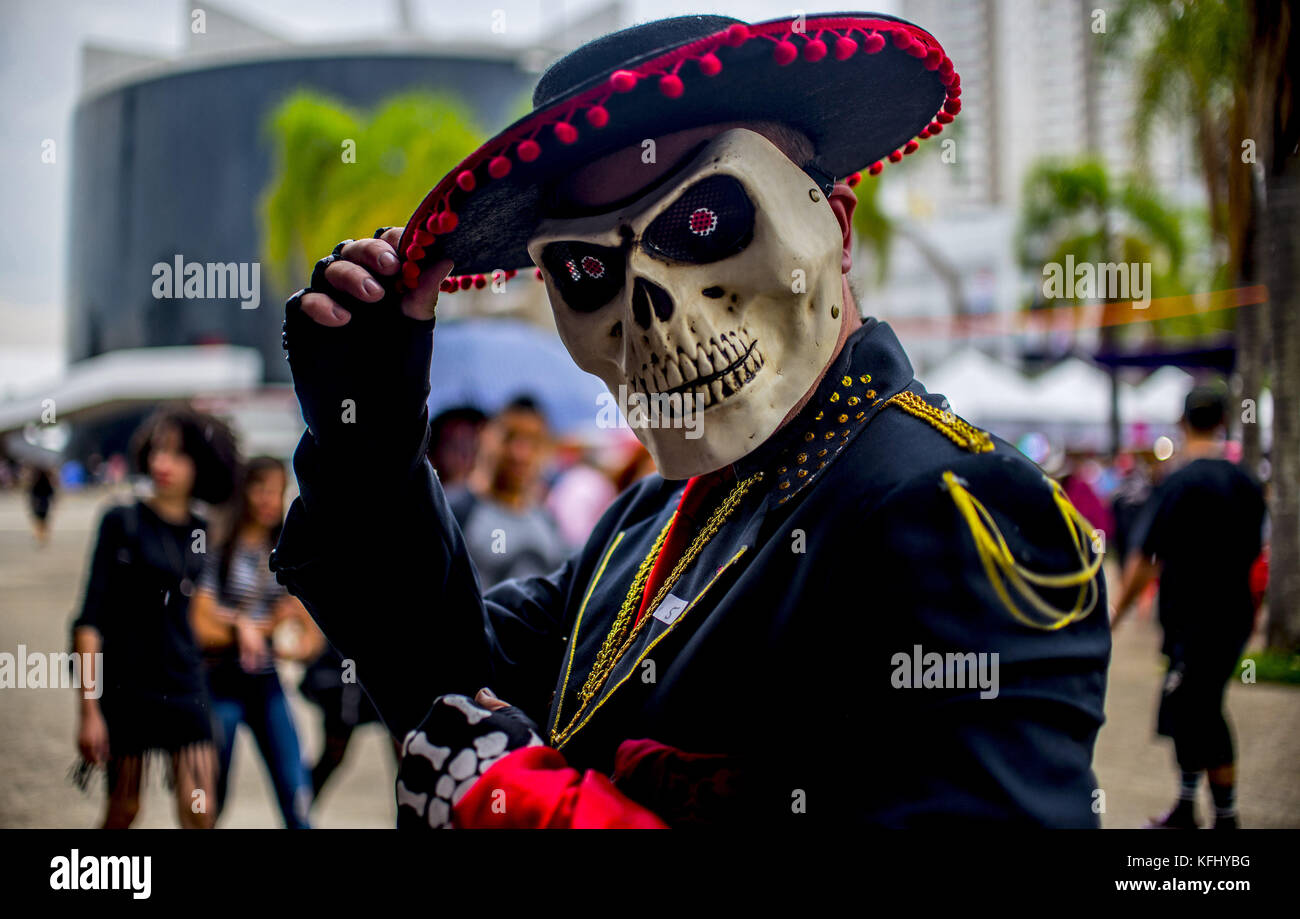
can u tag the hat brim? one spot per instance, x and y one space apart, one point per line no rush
864 87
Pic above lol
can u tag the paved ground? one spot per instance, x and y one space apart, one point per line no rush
39 589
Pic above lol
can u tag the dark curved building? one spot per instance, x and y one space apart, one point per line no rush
175 163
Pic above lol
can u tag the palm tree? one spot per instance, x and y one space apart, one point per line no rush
340 173
1193 70
1228 68
1075 211
1275 63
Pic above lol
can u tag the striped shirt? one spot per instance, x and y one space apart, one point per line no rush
250 588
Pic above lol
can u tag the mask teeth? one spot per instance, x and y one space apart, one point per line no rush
686 367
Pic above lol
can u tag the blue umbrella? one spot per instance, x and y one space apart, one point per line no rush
487 362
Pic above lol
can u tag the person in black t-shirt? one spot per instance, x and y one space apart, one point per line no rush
1200 532
146 561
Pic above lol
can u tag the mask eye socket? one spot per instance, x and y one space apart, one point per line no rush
587 276
711 220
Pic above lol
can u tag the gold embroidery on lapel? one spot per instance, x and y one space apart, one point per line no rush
958 430
573 638
573 733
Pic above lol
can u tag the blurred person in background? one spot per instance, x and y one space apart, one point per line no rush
579 494
1200 533
330 684
1128 499
454 443
40 498
508 532
1080 487
238 606
147 558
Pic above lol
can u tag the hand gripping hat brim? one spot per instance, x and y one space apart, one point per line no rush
864 87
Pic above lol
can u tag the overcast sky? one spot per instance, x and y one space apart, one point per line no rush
40 44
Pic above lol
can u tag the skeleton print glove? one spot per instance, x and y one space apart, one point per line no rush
456 743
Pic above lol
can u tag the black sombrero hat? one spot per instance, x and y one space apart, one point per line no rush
864 87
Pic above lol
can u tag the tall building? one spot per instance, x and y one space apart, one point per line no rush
1035 86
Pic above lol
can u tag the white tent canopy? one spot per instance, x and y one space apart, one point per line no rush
1073 393
134 375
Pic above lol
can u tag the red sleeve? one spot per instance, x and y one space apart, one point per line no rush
534 788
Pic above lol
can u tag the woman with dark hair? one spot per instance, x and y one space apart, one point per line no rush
238 605
146 560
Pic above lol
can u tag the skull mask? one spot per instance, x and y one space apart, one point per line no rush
720 289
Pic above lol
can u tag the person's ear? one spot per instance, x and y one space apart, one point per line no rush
843 201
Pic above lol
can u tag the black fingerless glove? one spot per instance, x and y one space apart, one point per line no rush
363 387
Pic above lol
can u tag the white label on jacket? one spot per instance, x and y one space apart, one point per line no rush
670 609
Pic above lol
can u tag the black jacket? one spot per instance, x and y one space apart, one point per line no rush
849 551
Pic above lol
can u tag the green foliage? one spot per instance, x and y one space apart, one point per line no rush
1274 666
872 227
317 198
1194 63
1077 209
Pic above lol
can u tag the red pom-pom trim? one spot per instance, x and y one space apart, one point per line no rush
932 59
845 48
917 49
910 147
815 50
415 252
466 282
410 272
853 180
934 127
710 66
943 117
448 285
873 43
874 168
499 167
896 156
537 273
949 78
465 179
528 151
623 81
952 106
447 221
423 237
566 133
671 85
785 53
597 116
736 35
480 281
924 132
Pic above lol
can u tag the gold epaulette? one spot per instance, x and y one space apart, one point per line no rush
1003 569
961 432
